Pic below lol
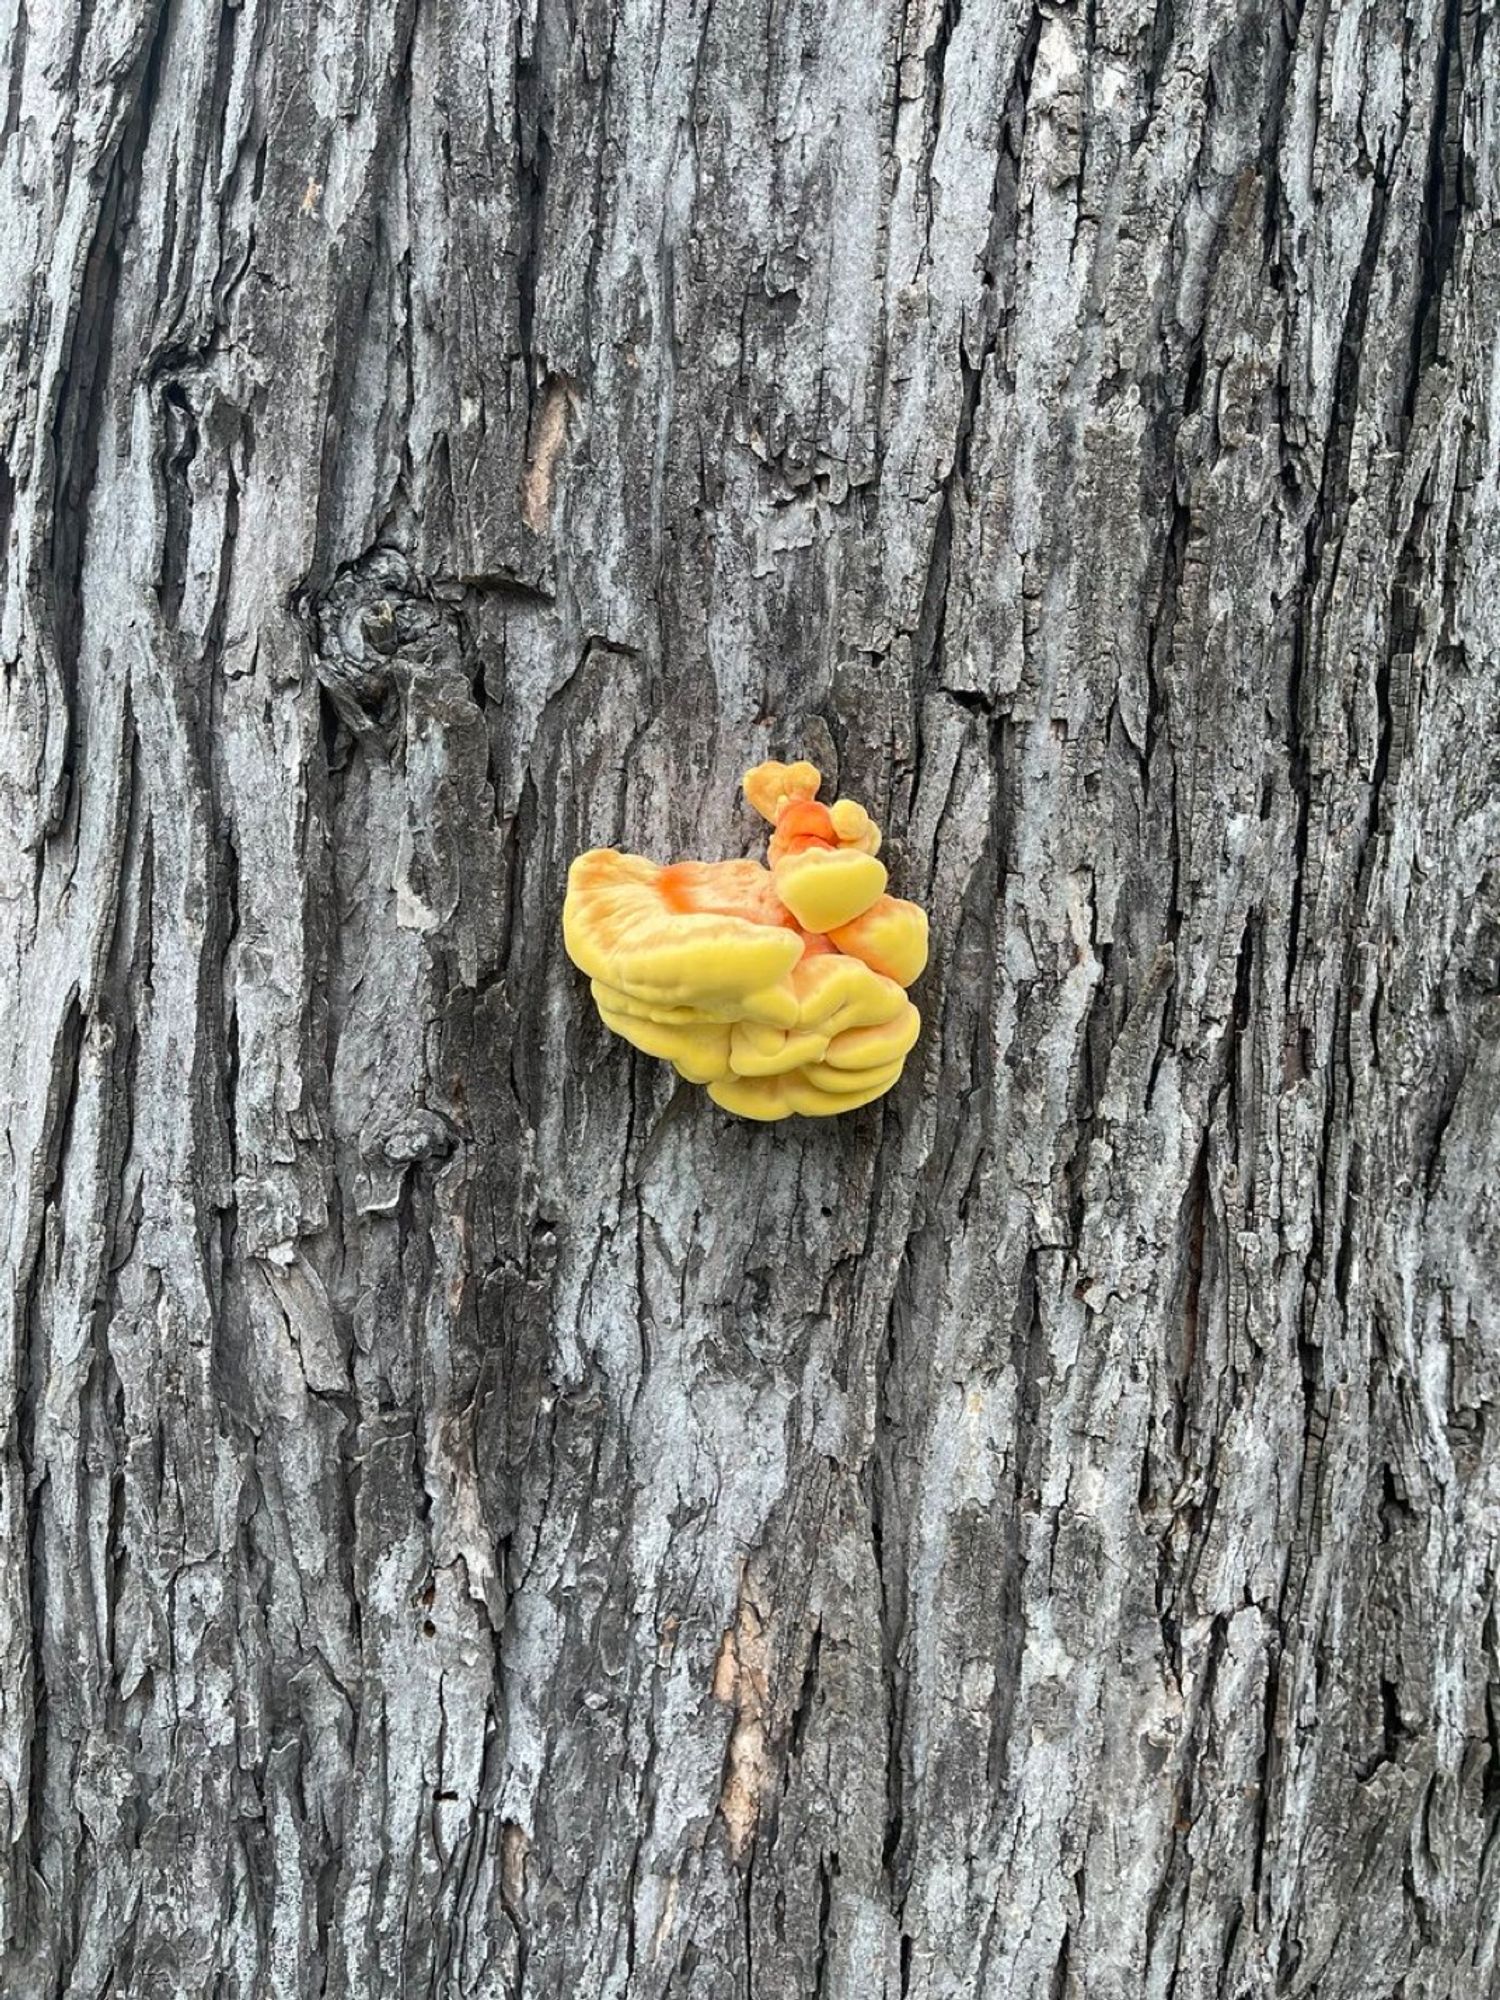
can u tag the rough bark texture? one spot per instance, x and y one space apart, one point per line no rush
476 1520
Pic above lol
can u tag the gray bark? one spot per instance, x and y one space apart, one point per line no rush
477 1521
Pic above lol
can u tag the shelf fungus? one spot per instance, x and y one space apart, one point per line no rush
780 987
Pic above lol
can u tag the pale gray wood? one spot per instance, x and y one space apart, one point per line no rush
476 1520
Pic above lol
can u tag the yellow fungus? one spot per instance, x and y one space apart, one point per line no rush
782 989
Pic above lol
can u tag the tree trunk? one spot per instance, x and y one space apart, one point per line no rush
477 1520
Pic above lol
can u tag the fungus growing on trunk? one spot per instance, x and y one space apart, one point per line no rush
781 988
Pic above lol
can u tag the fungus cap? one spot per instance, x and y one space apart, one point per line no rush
770 787
620 926
890 937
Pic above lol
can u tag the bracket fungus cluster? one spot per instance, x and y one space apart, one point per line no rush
781 988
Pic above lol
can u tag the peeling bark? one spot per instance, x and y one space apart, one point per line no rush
474 1520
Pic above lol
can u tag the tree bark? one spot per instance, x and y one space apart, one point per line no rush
478 1521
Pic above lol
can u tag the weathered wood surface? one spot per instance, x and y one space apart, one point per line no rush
479 1522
